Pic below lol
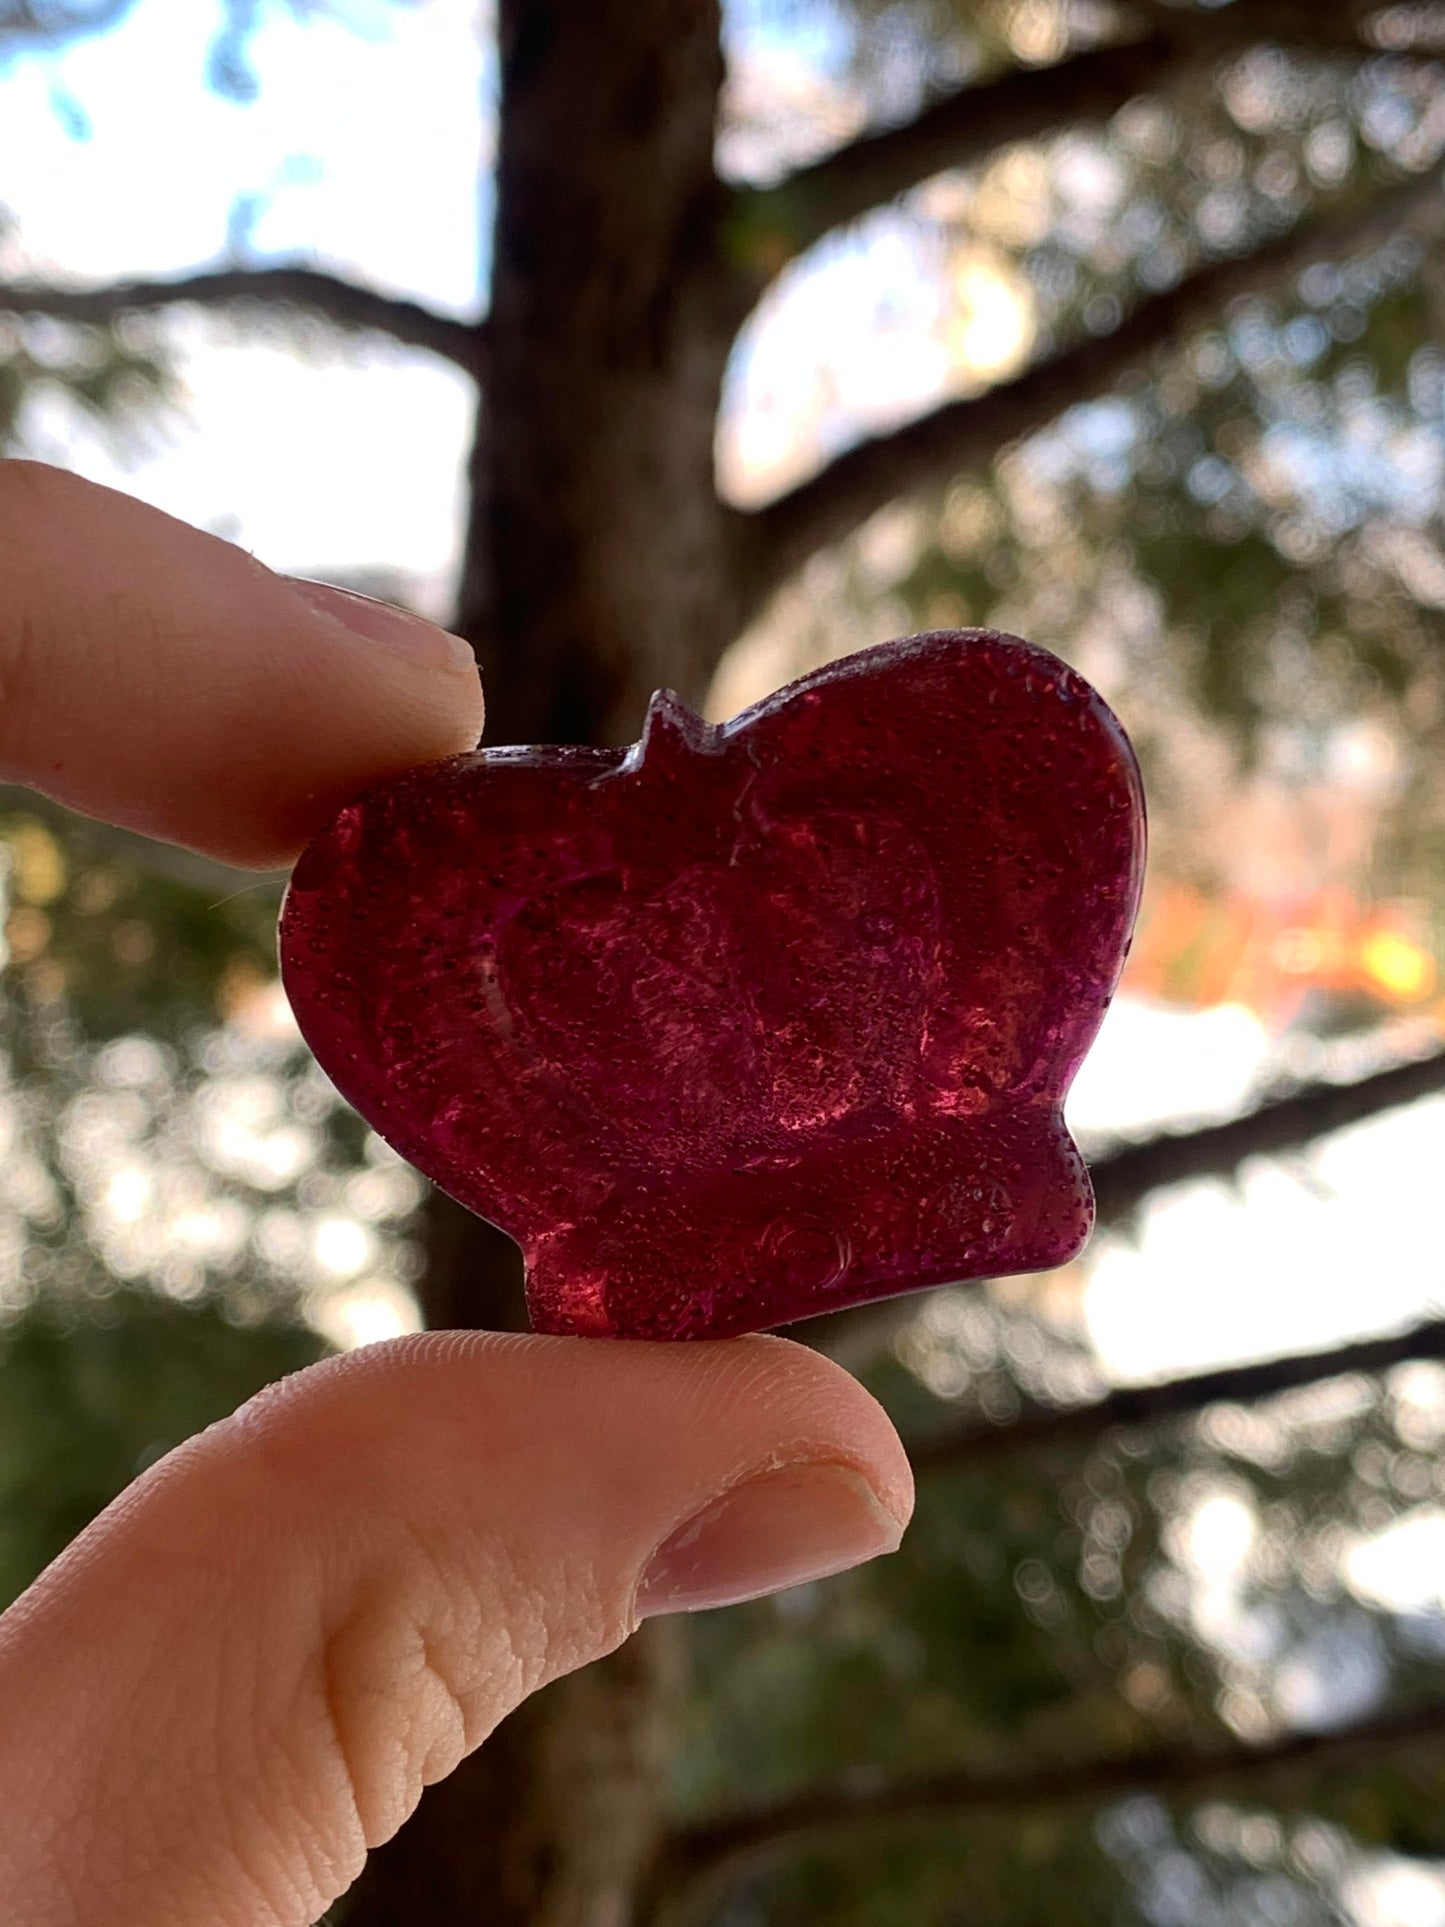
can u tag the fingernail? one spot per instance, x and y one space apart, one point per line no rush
777 1530
383 622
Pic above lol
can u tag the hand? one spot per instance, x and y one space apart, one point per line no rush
243 1674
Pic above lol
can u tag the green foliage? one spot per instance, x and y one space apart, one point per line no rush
126 1328
1043 1871
117 376
1242 546
129 945
1044 1610
92 1394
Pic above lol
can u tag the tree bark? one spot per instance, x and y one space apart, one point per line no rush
598 566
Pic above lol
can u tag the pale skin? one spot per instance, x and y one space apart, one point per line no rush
241 1676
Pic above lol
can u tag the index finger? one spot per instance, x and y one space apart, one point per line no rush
164 680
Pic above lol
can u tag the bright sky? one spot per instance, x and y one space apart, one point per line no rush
367 147
355 463
366 150
1298 1255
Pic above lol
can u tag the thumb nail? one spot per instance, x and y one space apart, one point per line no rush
780 1529
395 629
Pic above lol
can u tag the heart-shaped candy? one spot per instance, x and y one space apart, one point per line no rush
749 1021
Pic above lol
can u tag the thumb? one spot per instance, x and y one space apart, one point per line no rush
243 1674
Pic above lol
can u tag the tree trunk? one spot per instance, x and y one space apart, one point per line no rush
599 561
554 1821
598 566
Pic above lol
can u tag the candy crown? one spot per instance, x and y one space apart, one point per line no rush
782 1007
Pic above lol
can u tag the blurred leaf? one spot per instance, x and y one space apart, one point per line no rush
89 1398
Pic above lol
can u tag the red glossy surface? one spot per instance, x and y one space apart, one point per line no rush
747 1022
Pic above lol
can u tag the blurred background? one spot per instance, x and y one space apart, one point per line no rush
1114 325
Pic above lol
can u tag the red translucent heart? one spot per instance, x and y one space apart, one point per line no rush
749 1021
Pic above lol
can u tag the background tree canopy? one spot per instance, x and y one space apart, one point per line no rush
650 345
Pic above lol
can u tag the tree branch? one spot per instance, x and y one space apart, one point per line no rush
930 451
1121 1181
711 1854
843 1817
346 303
1131 1405
1124 1177
770 224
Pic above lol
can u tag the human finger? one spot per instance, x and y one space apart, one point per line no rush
241 1677
164 680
